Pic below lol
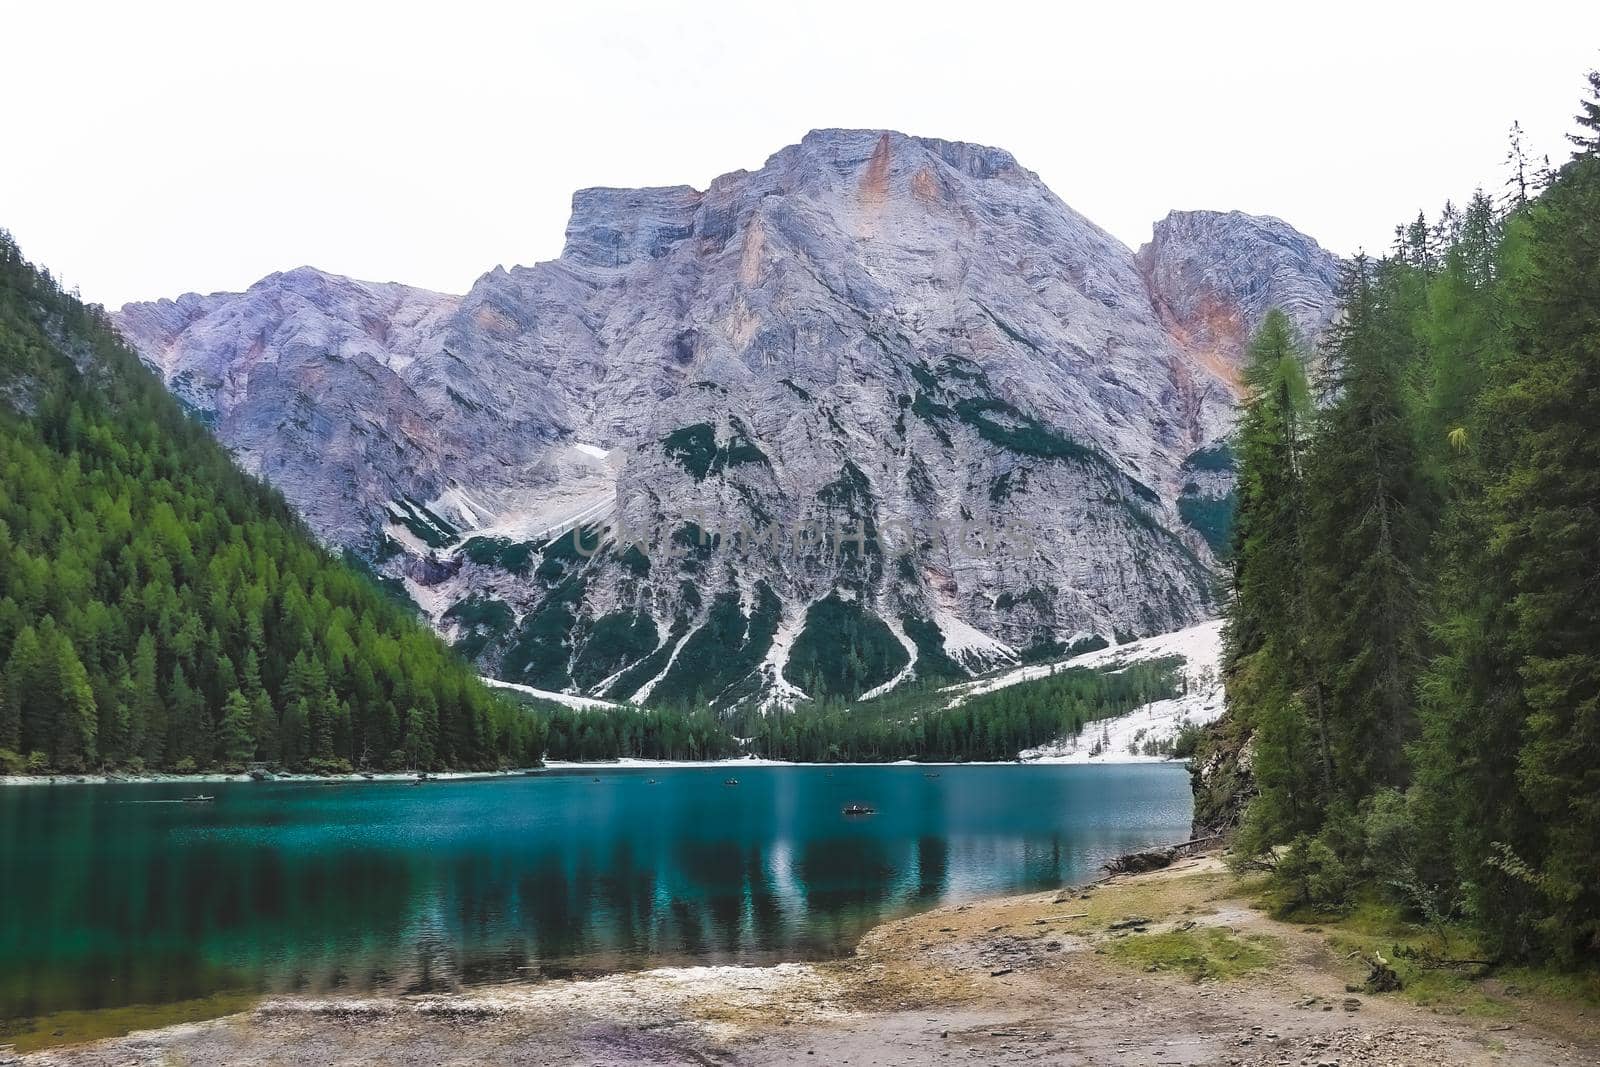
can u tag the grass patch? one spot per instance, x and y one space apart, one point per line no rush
1576 987
1038 599
1159 898
70 1027
634 678
1011 482
543 644
932 660
635 561
1203 952
1003 425
568 552
1045 646
694 447
1372 925
693 546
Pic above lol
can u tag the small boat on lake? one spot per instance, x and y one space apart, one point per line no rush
198 798
931 774
730 781
858 809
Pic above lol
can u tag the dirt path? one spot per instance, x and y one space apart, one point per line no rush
1203 979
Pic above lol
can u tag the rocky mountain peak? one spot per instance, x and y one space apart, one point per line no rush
908 340
1213 275
847 150
614 227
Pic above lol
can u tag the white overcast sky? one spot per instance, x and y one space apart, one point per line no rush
152 149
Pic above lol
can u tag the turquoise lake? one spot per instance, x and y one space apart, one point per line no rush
114 895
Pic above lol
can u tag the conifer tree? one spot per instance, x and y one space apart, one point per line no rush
1517 164
147 715
129 534
29 685
189 740
1542 504
1367 534
10 726
1272 678
263 718
76 722
238 744
1586 140
293 734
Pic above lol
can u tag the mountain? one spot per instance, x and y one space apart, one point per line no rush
1213 276
1013 419
160 609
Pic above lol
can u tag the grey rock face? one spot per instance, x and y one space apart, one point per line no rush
306 377
909 339
1213 276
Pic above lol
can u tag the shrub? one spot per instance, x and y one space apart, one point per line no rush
1186 741
1400 859
1313 874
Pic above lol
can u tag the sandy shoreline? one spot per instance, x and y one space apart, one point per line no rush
212 778
1107 973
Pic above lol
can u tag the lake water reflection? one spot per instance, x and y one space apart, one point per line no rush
117 895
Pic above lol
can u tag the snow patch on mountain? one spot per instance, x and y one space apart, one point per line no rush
1123 739
906 673
1200 646
782 693
577 703
971 647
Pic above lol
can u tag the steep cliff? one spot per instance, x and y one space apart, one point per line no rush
884 408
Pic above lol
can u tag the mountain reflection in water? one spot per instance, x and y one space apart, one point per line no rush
110 900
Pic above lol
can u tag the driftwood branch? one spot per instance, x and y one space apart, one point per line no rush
1381 978
1154 859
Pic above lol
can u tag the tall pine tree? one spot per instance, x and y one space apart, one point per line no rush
1272 682
1367 535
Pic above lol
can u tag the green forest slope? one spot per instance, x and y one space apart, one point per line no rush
1414 637
160 609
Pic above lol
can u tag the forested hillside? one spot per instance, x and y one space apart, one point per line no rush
991 726
914 723
1414 639
160 609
